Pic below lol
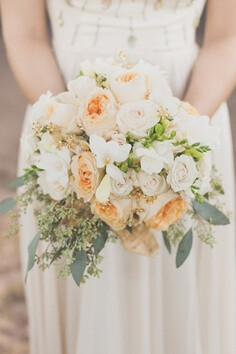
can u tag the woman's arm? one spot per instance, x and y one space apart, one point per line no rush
214 74
28 50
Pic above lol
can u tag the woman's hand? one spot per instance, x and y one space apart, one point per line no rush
214 74
28 49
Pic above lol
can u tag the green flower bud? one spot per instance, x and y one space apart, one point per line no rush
194 153
159 129
124 168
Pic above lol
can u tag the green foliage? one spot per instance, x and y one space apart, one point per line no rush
210 213
6 205
16 183
32 248
166 241
78 266
184 248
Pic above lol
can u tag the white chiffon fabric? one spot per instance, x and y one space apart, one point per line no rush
140 305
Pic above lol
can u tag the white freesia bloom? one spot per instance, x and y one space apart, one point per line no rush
122 189
196 129
56 165
87 68
104 189
81 86
155 158
128 87
137 118
182 174
46 144
54 189
204 167
108 152
107 67
150 184
28 144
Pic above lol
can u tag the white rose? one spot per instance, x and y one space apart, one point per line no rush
81 86
56 166
137 118
122 189
40 108
150 184
54 189
183 173
128 87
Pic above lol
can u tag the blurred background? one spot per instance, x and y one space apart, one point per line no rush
13 317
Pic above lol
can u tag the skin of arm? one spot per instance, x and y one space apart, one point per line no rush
214 74
29 53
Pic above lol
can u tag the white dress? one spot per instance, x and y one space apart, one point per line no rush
140 305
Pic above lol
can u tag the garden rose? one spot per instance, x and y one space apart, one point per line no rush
128 87
97 114
137 118
115 213
169 214
86 175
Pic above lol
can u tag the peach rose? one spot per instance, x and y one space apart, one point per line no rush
86 175
97 114
169 214
115 213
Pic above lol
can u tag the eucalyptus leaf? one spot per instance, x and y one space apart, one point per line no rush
32 248
6 205
78 266
210 213
16 183
166 241
184 248
100 241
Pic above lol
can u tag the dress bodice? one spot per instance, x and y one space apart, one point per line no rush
71 18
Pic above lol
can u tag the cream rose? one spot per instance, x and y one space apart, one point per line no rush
122 189
118 137
150 184
55 189
128 87
115 213
62 113
97 114
183 173
137 118
81 87
86 175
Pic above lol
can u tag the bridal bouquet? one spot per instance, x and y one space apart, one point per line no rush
116 156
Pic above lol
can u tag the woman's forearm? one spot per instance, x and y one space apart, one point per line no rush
213 77
34 66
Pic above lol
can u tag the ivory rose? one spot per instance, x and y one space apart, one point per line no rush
183 173
137 118
115 213
122 189
54 189
86 175
81 86
97 114
150 184
128 87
